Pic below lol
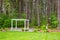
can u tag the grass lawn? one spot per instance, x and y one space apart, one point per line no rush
29 36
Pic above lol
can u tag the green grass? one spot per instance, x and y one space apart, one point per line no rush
29 36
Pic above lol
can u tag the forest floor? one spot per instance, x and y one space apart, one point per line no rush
33 30
13 35
54 30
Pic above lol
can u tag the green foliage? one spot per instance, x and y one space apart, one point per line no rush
7 23
24 30
36 30
4 21
43 27
6 3
20 24
23 15
54 21
36 27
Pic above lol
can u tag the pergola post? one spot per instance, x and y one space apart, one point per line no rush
24 25
11 24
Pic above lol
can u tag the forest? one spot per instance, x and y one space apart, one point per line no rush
39 12
29 19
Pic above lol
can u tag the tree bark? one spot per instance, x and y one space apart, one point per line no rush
1 3
38 12
59 13
48 11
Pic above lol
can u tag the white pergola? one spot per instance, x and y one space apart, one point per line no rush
25 27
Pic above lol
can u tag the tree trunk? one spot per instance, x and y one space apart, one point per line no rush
38 12
59 13
48 10
1 3
19 3
27 9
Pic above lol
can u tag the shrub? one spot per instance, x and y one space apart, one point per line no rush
54 21
43 27
24 30
35 30
7 23
4 21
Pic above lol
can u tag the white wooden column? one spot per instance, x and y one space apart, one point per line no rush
11 24
24 25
